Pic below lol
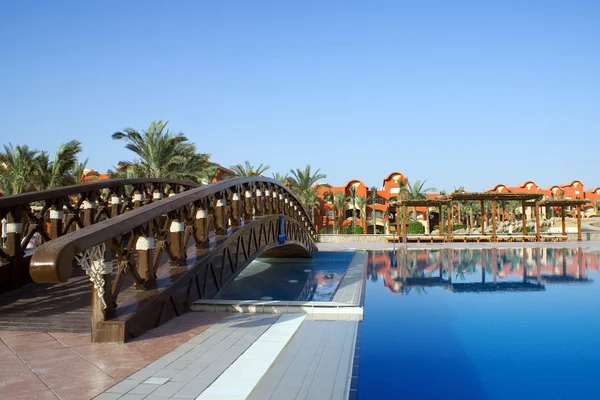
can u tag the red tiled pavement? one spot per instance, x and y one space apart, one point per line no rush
67 366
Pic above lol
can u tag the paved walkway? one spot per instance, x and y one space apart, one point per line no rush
223 362
67 366
315 365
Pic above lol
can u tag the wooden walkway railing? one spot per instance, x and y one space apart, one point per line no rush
38 217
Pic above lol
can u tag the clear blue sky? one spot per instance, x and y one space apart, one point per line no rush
468 93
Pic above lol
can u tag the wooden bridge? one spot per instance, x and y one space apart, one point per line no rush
150 247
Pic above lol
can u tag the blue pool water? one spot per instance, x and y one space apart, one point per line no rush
304 279
439 326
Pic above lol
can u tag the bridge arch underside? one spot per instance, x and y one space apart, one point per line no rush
206 273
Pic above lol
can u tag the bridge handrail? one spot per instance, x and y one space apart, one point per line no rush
49 194
52 262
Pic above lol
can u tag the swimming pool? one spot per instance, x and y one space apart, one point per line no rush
438 325
303 279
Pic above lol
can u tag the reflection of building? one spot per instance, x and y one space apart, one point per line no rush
391 187
448 268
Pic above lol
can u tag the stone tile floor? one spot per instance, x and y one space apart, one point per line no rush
68 366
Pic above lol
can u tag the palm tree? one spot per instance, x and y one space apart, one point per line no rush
19 168
361 202
304 184
249 170
373 199
352 199
60 171
163 154
417 192
280 177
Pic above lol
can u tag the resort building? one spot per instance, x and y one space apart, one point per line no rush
339 205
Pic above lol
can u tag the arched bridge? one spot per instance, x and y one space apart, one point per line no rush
151 247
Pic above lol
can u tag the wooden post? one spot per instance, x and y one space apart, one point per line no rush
56 222
145 253
441 221
259 207
89 212
99 313
397 221
157 195
276 209
494 238
138 199
201 227
177 245
116 204
235 210
449 219
220 217
579 222
537 221
14 235
404 230
562 216
524 219
482 217
248 209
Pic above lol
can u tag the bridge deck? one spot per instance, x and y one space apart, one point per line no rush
62 307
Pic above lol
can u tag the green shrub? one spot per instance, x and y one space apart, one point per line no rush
321 231
416 228
347 230
454 227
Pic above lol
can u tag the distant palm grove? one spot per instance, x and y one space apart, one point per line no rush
157 153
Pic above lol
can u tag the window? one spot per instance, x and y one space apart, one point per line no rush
329 213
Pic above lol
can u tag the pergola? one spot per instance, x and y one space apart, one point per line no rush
419 203
524 198
562 203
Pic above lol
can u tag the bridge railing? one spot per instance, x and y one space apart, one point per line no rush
38 217
228 223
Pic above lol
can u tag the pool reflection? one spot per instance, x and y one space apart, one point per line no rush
459 323
480 270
